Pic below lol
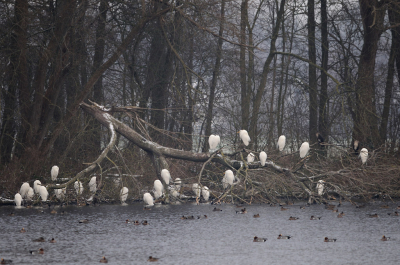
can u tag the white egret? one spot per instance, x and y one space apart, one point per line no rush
166 176
78 187
43 193
304 148
244 135
36 185
213 141
124 194
263 158
60 193
93 184
364 155
205 193
250 158
178 183
18 199
281 142
54 173
196 189
148 199
228 178
159 188
320 187
174 193
23 191
30 194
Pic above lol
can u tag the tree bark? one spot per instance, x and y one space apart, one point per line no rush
312 74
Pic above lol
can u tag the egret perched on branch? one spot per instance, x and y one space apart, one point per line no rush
250 158
205 193
196 189
93 184
78 187
158 189
213 141
30 194
36 185
364 155
148 199
54 173
23 191
43 193
166 176
281 142
18 199
228 178
124 194
244 135
304 148
178 183
320 187
263 158
60 193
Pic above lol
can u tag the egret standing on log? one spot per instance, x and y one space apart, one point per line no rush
281 142
60 193
30 194
23 191
250 158
78 187
213 141
263 158
166 176
36 185
18 199
158 189
205 193
124 194
228 178
93 184
54 173
244 135
304 148
364 155
148 199
43 193
320 187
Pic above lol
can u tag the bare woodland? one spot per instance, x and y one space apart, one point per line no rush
128 88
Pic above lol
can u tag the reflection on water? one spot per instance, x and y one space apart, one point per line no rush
223 238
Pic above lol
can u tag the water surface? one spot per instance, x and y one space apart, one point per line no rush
223 238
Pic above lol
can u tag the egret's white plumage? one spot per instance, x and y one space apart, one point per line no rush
60 193
213 141
124 194
263 158
78 187
43 193
23 191
281 142
174 193
166 176
54 173
304 148
30 194
148 199
250 158
158 189
244 135
364 155
196 189
178 183
93 184
36 185
228 178
320 187
18 199
205 193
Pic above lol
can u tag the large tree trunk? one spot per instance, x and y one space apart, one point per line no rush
312 74
365 127
323 96
245 92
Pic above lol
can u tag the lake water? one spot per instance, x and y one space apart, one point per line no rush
223 238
